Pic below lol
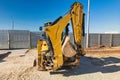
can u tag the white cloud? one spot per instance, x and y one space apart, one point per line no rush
113 32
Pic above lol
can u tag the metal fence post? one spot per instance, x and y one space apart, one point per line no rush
111 40
8 38
99 39
30 40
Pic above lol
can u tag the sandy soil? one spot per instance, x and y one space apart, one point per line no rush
96 65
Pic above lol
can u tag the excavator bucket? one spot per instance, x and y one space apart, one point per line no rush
70 55
67 48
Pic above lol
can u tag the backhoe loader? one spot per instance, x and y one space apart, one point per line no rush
56 49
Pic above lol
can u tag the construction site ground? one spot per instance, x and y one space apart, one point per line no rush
98 64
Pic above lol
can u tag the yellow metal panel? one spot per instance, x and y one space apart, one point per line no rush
77 20
39 46
55 33
44 46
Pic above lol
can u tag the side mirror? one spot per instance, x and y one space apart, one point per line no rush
40 28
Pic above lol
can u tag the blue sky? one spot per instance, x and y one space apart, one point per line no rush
30 14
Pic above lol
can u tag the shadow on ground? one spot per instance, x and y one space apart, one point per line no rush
4 55
92 65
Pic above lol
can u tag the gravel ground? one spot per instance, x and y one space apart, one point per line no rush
18 65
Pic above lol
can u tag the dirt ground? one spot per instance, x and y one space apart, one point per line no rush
97 64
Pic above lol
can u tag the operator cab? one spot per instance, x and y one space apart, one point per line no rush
47 24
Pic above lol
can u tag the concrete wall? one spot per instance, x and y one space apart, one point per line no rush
19 39
34 37
93 40
104 39
11 39
4 39
115 39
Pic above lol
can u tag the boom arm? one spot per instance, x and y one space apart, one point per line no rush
77 20
55 31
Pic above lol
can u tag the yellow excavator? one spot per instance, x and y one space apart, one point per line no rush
56 49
